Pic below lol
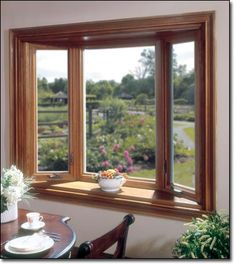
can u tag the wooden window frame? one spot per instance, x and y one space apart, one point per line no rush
163 199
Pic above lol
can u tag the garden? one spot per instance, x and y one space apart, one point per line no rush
120 125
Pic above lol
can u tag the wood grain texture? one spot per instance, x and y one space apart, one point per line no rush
158 31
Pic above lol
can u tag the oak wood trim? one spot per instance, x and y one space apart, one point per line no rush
210 116
160 115
167 22
91 34
12 97
74 105
89 193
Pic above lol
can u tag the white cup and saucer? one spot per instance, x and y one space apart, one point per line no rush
34 221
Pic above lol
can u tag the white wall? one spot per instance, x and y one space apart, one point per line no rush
149 237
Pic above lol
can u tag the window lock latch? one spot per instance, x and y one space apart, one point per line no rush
55 176
175 190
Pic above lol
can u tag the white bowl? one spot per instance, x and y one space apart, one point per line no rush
111 185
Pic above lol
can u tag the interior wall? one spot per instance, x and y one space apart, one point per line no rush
149 237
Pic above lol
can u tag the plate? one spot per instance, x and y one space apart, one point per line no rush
46 244
27 226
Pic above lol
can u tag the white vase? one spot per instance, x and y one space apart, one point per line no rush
10 214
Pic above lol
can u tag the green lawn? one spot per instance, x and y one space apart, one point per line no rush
145 173
56 107
190 132
183 173
52 116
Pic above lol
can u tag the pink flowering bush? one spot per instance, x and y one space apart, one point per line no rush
131 144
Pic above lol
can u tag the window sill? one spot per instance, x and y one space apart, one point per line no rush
135 200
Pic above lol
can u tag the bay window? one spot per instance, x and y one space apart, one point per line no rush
136 95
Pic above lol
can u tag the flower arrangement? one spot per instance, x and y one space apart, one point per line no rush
14 187
207 238
110 174
110 180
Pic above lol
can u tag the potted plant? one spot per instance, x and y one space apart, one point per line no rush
207 238
14 187
110 180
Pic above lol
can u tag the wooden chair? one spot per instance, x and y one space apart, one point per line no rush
95 249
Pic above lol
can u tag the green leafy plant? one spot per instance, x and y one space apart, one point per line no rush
207 238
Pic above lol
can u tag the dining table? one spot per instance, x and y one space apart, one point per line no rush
55 228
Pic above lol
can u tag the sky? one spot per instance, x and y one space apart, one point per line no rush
104 64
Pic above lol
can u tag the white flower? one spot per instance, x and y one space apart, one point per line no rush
139 136
13 187
14 175
13 194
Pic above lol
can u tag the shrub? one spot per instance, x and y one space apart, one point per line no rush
134 134
184 117
53 154
207 238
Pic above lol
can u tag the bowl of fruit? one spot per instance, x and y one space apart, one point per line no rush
111 180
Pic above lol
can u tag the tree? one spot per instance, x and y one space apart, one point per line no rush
59 84
184 84
90 87
44 93
141 99
127 86
114 109
42 84
147 64
101 89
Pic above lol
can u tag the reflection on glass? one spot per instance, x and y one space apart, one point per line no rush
52 112
183 114
120 110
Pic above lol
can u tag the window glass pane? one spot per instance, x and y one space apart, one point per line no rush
120 110
52 111
183 114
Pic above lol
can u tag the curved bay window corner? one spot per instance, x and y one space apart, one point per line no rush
134 94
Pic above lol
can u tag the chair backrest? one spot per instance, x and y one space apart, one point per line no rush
96 249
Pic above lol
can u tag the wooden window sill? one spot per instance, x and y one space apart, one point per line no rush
134 200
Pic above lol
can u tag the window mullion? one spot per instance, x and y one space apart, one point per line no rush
76 115
160 114
28 91
168 116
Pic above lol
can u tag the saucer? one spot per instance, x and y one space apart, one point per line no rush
27 226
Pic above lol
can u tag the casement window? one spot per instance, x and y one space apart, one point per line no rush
77 108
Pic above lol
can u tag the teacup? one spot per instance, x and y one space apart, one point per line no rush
34 218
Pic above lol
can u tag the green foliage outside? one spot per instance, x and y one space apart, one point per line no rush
53 154
122 133
133 136
184 117
207 238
